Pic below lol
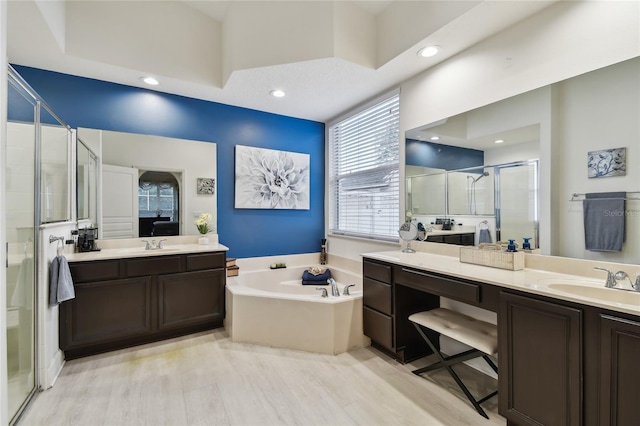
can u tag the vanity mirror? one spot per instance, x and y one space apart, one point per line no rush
86 183
147 185
557 124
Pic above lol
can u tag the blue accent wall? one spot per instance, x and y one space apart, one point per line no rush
429 154
83 102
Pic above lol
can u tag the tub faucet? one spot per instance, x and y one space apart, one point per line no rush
334 287
324 291
346 289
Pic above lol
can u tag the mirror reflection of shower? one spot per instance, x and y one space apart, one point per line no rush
473 208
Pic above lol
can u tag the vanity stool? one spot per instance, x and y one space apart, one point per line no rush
481 336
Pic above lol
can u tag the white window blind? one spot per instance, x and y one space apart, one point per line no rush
364 174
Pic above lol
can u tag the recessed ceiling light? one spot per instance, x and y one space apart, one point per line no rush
150 81
498 141
429 51
435 138
278 93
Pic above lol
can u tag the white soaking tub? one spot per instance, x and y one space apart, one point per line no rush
271 307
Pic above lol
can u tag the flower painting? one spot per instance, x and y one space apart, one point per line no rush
270 179
607 162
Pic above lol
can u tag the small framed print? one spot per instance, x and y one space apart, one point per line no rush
607 163
206 186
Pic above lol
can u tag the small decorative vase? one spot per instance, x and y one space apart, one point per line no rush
203 240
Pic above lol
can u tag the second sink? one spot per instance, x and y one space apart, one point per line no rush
610 295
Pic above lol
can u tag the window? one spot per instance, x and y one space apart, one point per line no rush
158 195
364 172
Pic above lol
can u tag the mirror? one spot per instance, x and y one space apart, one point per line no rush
147 185
86 184
55 170
559 124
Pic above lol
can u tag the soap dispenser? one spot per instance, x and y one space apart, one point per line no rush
526 245
512 246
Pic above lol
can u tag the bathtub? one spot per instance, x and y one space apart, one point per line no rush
271 307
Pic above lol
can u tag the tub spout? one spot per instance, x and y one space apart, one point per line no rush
334 287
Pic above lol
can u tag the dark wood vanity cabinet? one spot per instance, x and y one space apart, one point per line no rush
619 370
560 362
563 363
540 357
126 302
466 239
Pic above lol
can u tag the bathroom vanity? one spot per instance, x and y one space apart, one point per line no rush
126 297
564 359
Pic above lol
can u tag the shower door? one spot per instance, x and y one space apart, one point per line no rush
517 202
20 232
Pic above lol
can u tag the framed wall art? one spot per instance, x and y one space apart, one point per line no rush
271 179
607 163
206 186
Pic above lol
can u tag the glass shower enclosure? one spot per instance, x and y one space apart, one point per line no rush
37 192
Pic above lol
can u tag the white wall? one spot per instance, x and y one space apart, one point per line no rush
555 44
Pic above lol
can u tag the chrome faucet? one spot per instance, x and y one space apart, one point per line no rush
334 287
153 245
621 275
611 279
324 291
345 292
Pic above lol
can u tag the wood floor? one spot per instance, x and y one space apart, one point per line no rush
205 379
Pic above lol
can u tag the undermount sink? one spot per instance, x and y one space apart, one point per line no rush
611 295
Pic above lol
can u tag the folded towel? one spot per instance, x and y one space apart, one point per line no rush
484 236
313 282
308 276
61 283
604 221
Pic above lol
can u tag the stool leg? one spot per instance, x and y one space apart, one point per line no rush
453 374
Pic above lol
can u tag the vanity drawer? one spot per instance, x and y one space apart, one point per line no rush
377 271
153 266
198 262
441 286
377 295
378 327
94 271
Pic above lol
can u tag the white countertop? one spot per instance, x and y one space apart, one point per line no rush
139 251
535 281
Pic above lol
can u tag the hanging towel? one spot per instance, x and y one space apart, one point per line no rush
61 284
484 236
321 279
604 221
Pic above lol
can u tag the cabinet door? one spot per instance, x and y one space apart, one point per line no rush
540 362
190 298
106 311
619 372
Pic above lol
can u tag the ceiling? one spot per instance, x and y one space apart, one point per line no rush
328 56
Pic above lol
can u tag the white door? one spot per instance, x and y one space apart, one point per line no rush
119 202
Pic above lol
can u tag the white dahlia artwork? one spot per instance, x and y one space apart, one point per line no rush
271 179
